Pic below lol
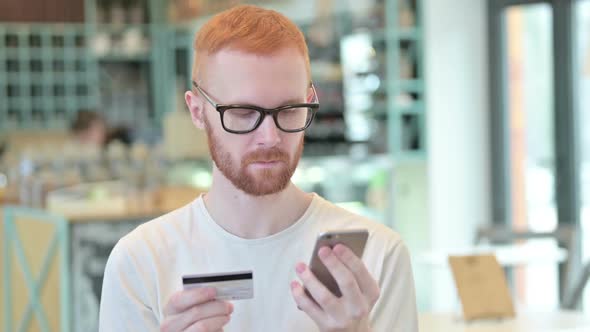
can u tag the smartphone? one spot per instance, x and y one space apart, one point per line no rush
355 240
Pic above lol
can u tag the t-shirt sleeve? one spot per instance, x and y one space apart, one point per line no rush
124 304
396 308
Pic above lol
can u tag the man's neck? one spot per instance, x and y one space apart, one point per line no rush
250 216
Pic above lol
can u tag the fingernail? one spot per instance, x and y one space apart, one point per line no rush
230 308
293 284
324 252
300 267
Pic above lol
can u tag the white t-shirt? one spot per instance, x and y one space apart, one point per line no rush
145 269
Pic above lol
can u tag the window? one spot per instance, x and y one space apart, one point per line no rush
529 60
536 171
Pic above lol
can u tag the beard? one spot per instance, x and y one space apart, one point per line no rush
255 182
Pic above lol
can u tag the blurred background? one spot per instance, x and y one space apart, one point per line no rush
462 124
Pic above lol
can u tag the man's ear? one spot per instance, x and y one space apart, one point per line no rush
310 95
195 106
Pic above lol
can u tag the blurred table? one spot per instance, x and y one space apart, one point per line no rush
562 321
507 255
531 254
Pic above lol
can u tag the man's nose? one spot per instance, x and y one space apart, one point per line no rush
268 134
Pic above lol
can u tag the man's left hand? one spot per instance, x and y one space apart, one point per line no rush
360 292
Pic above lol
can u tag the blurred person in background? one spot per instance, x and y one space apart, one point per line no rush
89 128
254 98
121 134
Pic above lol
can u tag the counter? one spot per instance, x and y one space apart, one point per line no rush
90 240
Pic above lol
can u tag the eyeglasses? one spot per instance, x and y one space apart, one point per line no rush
243 119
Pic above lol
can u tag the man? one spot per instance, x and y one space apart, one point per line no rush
251 67
89 128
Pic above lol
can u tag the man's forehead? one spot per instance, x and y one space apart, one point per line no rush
238 62
232 52
238 77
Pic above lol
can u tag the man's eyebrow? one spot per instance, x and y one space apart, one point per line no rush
293 101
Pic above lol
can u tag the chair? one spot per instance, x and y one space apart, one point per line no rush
36 276
572 300
566 237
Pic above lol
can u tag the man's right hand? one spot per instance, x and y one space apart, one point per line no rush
196 310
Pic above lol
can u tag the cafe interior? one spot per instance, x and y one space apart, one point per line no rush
463 125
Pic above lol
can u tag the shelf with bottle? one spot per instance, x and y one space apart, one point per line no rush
47 71
407 64
410 134
122 27
120 30
40 35
408 101
122 39
126 44
407 121
118 12
17 93
12 55
121 57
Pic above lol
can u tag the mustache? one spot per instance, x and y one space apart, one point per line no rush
272 154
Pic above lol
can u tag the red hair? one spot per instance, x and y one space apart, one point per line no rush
249 29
